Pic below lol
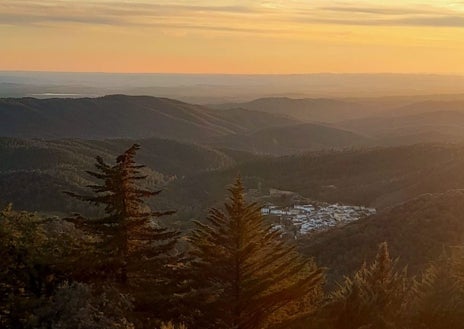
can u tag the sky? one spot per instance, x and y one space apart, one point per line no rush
235 37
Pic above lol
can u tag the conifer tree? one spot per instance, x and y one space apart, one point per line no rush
437 297
133 249
128 230
245 271
372 298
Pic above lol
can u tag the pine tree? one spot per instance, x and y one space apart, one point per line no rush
245 271
437 297
128 230
133 250
372 298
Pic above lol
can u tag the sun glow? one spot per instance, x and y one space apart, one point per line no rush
232 36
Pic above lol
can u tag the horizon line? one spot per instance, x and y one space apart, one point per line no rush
234 74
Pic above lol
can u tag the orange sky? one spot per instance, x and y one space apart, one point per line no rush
244 36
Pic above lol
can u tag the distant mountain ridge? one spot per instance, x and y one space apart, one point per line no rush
120 116
209 88
305 109
412 127
293 139
336 110
139 117
275 125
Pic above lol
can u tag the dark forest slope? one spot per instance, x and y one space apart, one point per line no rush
195 177
33 173
120 116
306 109
379 177
417 231
293 139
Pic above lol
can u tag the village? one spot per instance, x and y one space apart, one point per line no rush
302 219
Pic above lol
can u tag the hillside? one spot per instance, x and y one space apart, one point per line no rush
440 127
379 178
195 177
387 120
433 105
305 109
275 126
120 116
293 139
417 232
33 173
340 109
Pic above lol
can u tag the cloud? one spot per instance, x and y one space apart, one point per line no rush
427 21
375 10
215 28
136 14
425 16
438 21
246 17
50 9
42 20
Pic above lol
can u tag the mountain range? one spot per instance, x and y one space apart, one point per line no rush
403 156
120 116
275 126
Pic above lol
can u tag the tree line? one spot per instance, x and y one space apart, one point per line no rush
232 271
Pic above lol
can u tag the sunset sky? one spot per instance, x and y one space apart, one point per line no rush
244 36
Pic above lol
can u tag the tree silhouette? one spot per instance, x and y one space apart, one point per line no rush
245 271
372 298
132 249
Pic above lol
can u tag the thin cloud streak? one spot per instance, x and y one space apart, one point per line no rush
376 10
430 21
115 13
249 17
42 20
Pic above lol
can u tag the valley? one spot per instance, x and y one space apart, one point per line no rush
338 187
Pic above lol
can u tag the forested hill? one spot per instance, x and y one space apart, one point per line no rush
417 231
279 128
33 173
378 177
195 177
306 109
294 139
120 116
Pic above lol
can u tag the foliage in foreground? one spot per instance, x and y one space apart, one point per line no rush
246 275
124 271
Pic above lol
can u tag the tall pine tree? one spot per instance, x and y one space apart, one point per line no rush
373 298
133 250
246 273
437 296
